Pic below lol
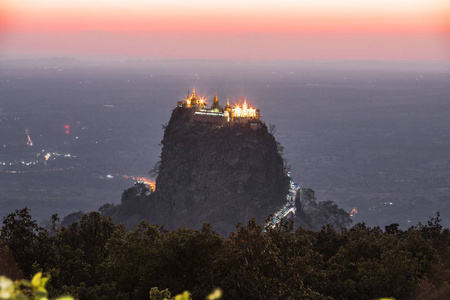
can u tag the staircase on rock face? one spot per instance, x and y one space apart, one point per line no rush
289 207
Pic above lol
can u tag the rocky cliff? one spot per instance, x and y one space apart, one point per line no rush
218 174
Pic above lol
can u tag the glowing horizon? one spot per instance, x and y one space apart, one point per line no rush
24 22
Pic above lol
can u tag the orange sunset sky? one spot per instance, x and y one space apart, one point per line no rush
264 29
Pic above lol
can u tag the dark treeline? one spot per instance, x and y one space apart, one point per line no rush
97 259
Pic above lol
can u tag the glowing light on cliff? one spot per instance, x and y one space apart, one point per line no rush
151 184
244 111
353 212
29 142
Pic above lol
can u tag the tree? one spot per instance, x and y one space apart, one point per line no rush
251 266
79 251
138 190
329 213
152 256
107 209
26 239
8 265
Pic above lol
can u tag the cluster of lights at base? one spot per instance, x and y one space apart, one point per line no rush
35 160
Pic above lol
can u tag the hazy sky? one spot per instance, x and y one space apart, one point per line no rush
252 29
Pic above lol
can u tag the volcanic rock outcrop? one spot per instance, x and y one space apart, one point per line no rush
217 174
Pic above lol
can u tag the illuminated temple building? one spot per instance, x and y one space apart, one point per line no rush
200 111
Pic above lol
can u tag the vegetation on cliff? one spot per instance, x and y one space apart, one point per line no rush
313 215
96 259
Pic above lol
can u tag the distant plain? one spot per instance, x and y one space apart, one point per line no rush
374 136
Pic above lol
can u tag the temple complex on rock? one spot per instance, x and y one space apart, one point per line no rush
239 114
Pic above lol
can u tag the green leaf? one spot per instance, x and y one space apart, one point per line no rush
216 294
44 281
25 283
185 296
41 295
36 281
6 288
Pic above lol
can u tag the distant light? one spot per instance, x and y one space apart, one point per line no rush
67 131
67 127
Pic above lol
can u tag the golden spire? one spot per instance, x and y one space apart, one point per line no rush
215 97
228 107
193 92
188 96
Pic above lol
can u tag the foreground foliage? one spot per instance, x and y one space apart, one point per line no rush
96 259
26 290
